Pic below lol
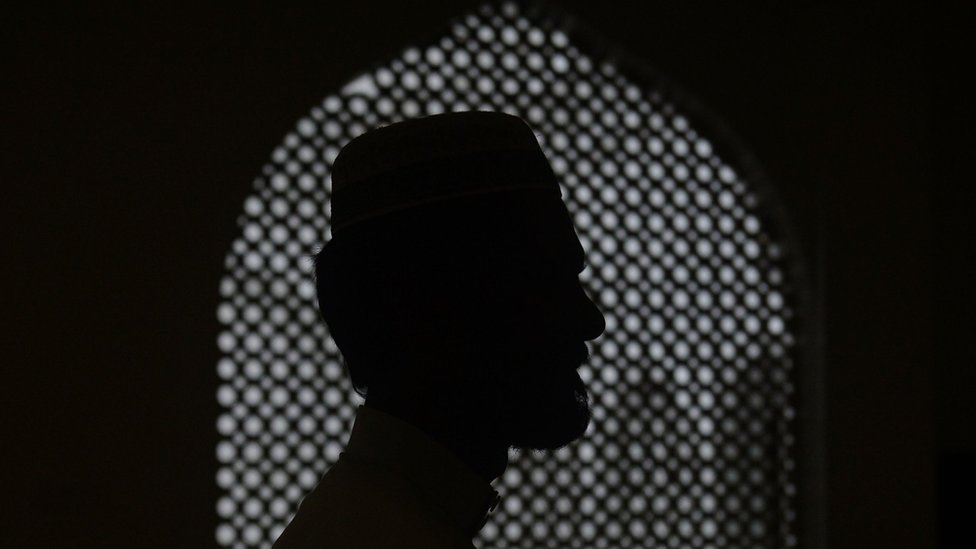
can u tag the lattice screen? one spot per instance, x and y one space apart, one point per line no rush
692 442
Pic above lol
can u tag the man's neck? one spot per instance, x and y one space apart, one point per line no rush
465 433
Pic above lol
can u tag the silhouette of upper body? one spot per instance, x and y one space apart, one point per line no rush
451 287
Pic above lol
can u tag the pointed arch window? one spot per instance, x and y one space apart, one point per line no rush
694 441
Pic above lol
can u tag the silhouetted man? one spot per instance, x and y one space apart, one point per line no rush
450 285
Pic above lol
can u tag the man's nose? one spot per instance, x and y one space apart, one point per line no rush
594 323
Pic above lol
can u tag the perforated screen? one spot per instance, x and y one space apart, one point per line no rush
692 438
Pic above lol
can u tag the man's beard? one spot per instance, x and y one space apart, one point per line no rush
533 396
556 413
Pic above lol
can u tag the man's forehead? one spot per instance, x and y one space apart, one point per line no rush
557 245
549 230
562 239
524 227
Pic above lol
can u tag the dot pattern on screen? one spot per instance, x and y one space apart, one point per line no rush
692 442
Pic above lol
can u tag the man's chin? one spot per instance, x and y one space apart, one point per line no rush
553 429
548 439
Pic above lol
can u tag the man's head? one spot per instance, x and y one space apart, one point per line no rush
473 299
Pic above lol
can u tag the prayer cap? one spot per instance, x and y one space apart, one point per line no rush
424 160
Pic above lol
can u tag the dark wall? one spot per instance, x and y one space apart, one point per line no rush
131 137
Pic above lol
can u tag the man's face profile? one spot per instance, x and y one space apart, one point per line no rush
476 263
535 332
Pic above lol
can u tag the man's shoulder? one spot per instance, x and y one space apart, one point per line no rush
355 488
357 505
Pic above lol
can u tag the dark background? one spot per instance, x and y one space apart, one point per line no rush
131 136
